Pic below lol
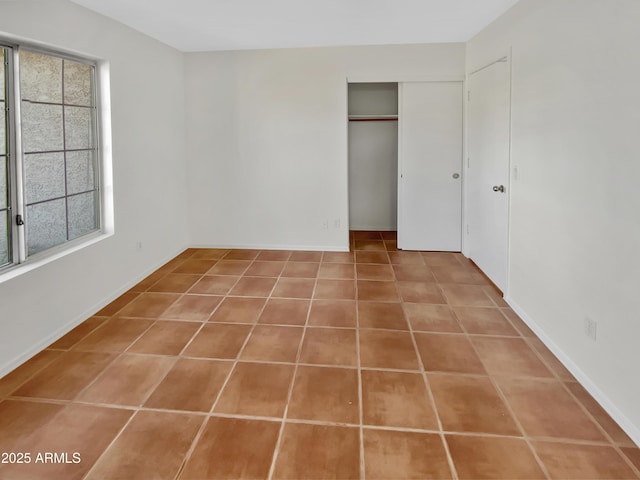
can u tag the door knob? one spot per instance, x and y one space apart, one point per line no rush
498 188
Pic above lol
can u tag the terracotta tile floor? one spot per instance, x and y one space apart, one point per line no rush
274 364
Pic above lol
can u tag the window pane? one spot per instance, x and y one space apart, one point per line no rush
82 214
3 182
44 176
46 225
78 127
40 77
3 119
4 216
80 174
41 127
77 83
3 126
4 238
2 54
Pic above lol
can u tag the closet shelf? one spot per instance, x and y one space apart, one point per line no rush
372 118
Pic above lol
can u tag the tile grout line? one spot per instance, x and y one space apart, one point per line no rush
590 416
95 329
560 440
163 271
206 322
501 393
136 410
157 318
115 438
205 422
360 391
609 438
337 327
509 408
423 373
9 394
53 401
358 327
450 462
116 356
196 439
348 367
322 365
276 449
137 295
179 356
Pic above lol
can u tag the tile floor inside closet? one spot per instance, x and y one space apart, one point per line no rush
371 364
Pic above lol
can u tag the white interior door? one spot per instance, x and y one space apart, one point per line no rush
430 150
488 170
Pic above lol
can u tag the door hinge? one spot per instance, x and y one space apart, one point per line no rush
19 220
468 95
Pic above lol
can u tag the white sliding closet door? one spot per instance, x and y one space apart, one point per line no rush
430 148
488 172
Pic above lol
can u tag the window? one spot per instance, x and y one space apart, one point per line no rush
4 167
49 153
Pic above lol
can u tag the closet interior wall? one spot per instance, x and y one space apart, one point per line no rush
373 156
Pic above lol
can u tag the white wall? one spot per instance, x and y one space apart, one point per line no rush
147 100
373 175
575 221
267 138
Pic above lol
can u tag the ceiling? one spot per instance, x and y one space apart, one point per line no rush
205 25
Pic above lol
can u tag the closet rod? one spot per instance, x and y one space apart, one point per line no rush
380 119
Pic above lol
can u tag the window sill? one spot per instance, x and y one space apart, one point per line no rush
14 271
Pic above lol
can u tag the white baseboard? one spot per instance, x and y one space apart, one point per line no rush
621 419
66 328
308 248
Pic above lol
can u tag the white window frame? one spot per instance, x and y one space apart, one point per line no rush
20 262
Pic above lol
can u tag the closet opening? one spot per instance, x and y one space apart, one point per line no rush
373 156
405 162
